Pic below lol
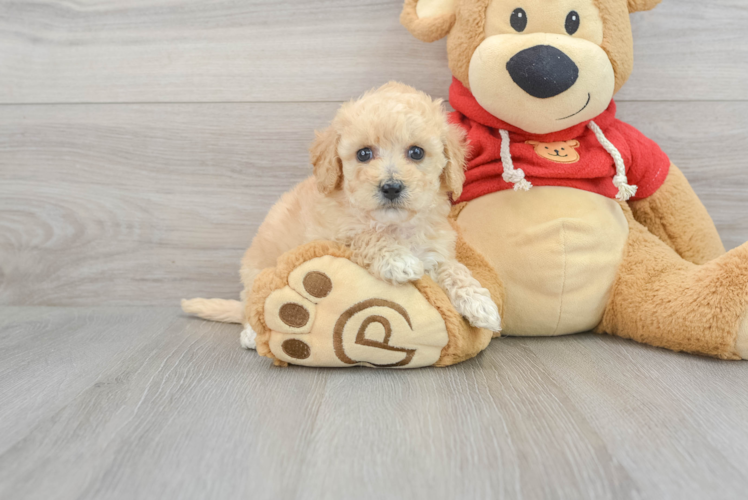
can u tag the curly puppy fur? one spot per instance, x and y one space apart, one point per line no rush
396 240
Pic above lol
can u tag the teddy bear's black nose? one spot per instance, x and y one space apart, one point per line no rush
543 71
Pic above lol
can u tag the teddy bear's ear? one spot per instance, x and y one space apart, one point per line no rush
639 5
573 144
428 20
455 149
328 167
532 143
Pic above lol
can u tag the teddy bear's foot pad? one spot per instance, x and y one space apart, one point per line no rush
333 313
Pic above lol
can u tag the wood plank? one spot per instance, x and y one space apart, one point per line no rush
137 201
690 50
185 413
494 427
146 204
302 50
48 356
655 409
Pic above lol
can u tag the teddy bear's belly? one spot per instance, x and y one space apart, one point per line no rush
557 251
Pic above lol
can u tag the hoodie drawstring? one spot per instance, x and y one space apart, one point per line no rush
517 176
511 175
625 191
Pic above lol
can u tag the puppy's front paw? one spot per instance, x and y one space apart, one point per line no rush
479 309
399 268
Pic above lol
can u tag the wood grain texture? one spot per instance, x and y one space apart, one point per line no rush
302 50
136 201
48 356
147 204
183 412
144 201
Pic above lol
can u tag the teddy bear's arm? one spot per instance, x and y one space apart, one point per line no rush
676 216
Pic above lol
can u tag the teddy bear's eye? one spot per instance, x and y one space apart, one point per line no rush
518 20
572 22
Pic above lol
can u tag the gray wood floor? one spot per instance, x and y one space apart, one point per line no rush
142 403
141 144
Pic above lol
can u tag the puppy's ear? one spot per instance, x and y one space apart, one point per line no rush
328 168
428 20
640 5
455 149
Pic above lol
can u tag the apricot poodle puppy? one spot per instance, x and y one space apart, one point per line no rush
384 172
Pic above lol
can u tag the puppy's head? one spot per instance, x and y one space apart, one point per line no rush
391 153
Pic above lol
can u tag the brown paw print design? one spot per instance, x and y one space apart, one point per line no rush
334 313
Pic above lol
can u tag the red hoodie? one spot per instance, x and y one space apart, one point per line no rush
583 163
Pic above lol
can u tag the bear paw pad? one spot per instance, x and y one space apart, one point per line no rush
334 313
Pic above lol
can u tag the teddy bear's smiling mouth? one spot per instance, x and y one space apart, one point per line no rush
589 98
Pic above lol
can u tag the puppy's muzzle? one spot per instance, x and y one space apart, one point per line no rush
392 190
543 71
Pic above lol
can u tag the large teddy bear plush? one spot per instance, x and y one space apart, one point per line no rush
574 220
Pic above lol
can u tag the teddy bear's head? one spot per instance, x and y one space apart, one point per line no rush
540 65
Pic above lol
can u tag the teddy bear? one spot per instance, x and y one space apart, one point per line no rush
574 220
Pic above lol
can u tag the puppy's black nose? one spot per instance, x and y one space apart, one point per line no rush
392 190
543 71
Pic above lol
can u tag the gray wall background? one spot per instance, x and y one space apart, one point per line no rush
141 143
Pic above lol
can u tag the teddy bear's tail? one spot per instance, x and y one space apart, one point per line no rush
225 311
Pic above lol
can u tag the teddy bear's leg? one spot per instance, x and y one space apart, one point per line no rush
318 308
663 300
676 216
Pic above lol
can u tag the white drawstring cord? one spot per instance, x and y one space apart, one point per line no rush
516 177
625 191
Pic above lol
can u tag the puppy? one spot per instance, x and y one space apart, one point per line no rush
383 175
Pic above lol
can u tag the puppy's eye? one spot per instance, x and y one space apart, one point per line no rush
519 20
416 153
572 22
364 154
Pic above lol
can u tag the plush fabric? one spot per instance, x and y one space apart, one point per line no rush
466 35
557 251
360 321
639 5
618 42
466 30
317 308
646 165
651 267
663 300
427 31
676 215
741 346
275 278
